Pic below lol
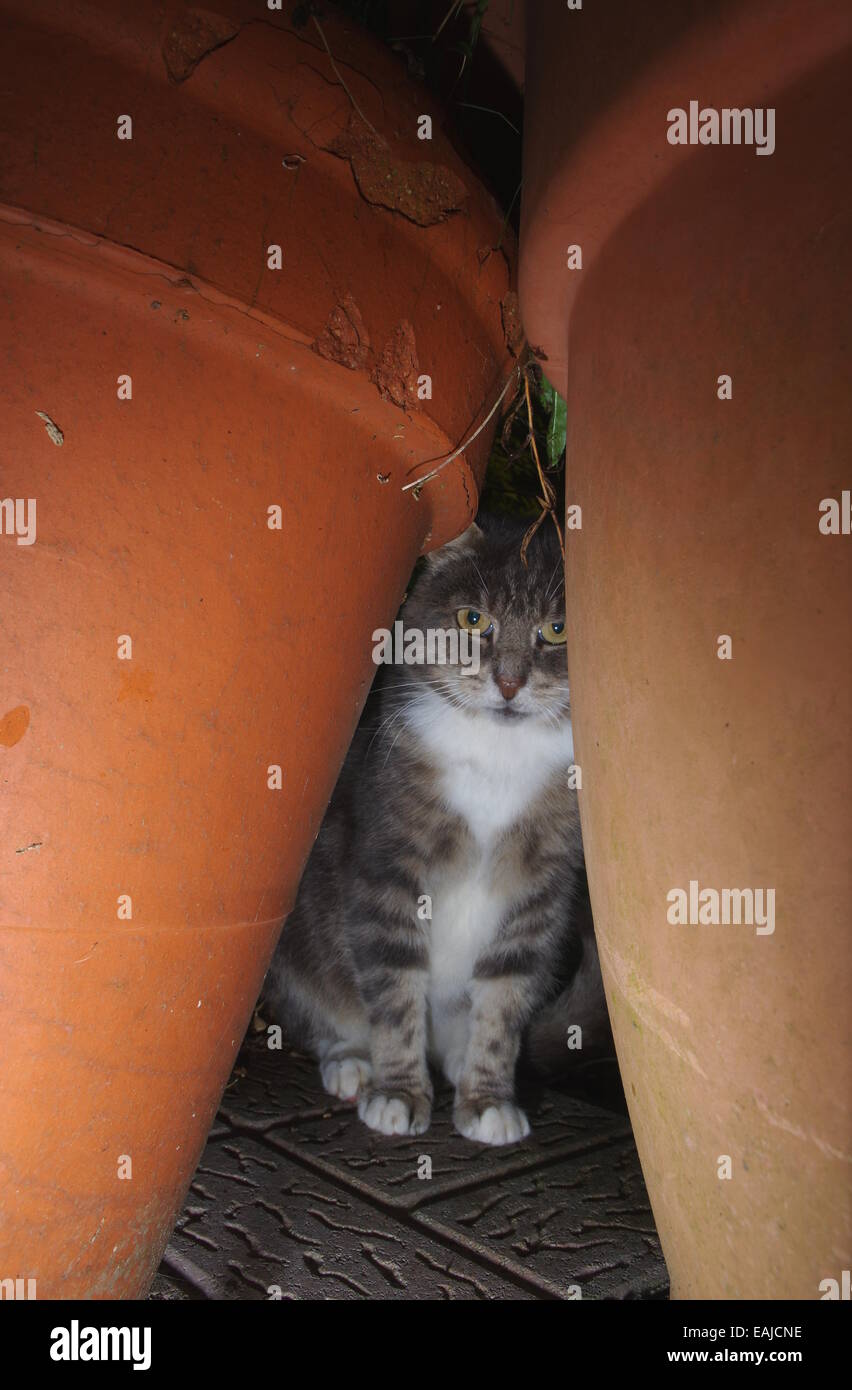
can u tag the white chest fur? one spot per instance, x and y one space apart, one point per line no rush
489 775
489 771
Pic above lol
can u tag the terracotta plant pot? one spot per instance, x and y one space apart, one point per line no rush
701 520
164 646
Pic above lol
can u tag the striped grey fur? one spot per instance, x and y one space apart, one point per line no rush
437 918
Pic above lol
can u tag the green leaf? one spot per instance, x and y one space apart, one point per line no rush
557 423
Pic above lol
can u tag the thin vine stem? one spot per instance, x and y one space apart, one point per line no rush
427 477
339 77
548 499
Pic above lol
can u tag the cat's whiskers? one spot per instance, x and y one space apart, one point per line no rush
457 698
409 683
551 587
404 706
479 576
410 704
385 726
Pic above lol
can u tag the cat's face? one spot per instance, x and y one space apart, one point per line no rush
480 583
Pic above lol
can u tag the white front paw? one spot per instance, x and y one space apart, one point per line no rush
395 1114
500 1122
346 1077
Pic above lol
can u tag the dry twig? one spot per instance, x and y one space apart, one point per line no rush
339 77
547 502
419 482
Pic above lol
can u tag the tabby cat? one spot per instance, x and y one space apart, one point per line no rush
437 916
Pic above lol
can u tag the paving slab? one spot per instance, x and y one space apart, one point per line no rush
295 1199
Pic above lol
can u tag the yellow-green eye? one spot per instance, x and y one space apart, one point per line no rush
473 621
553 633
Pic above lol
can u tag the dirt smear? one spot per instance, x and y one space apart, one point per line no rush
513 328
193 35
344 338
397 369
425 193
14 725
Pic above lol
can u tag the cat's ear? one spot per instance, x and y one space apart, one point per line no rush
468 541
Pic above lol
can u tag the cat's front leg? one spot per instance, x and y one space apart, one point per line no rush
392 963
485 1108
399 1099
509 980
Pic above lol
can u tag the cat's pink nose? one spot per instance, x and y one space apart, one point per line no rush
509 686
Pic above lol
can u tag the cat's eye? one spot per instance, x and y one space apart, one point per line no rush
473 621
553 633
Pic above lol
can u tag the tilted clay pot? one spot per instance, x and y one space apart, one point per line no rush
164 642
701 519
